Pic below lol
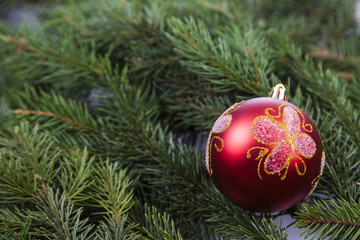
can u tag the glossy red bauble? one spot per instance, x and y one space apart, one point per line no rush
265 154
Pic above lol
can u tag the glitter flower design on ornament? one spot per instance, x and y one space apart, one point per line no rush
220 126
287 138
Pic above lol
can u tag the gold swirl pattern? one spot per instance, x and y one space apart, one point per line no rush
220 126
304 126
314 184
317 178
262 153
297 167
234 107
270 109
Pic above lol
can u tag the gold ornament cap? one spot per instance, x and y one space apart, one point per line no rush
278 92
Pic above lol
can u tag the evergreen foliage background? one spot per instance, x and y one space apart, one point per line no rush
96 100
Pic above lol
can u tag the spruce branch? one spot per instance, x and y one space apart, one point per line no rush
13 223
75 175
116 227
50 217
62 220
336 219
197 112
10 233
341 167
112 192
217 59
61 116
159 226
26 159
112 189
233 221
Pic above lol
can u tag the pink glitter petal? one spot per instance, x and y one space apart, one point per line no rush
292 120
277 158
305 145
322 162
221 124
267 131
207 163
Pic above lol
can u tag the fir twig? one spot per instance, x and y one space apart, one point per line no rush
334 219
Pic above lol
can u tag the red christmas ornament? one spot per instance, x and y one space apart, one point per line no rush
265 154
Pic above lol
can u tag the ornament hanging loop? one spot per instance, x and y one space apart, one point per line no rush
278 92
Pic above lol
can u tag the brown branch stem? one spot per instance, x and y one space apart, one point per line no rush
254 63
218 9
333 221
339 58
75 25
28 112
23 46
